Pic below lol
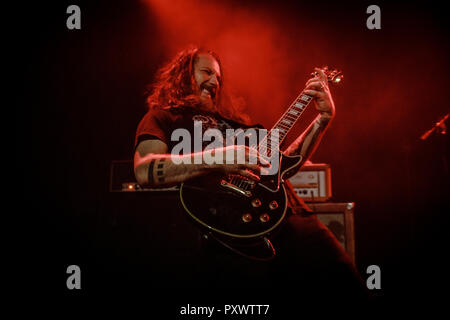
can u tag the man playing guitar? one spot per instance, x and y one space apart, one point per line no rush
191 88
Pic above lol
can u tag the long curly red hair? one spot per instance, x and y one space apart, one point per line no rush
174 87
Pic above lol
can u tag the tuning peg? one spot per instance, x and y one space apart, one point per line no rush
338 79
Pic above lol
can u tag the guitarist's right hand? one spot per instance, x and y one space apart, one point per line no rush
239 159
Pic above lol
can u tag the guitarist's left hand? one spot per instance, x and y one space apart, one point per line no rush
317 87
307 142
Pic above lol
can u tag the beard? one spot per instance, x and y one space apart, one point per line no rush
207 98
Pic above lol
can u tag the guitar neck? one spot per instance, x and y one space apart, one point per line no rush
286 122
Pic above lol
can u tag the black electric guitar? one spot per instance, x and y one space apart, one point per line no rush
236 208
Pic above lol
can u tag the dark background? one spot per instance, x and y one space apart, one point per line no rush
81 96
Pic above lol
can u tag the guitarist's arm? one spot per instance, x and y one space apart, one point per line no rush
154 167
307 142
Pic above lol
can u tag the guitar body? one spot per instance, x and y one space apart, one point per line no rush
241 211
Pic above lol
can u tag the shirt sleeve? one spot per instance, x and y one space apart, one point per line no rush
154 125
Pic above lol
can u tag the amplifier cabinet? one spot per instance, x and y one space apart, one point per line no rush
313 182
339 218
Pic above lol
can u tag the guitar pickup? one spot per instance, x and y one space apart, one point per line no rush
235 188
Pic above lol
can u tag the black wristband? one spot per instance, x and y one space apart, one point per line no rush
150 171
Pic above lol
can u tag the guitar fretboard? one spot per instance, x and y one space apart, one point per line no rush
285 123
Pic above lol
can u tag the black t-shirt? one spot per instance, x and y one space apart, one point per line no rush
162 124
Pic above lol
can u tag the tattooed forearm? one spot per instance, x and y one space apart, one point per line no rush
161 171
306 144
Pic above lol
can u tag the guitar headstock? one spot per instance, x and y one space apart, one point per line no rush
334 76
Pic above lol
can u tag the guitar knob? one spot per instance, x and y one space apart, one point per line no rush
273 205
256 203
246 217
264 217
